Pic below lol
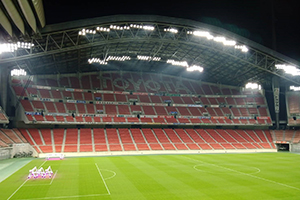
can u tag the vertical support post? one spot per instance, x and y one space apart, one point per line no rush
275 88
4 77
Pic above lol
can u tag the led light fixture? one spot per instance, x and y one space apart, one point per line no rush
294 88
18 72
97 60
289 69
178 63
119 27
172 30
86 31
102 29
145 27
118 58
253 86
11 47
148 58
194 68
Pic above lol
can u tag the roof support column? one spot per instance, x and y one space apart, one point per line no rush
4 77
275 88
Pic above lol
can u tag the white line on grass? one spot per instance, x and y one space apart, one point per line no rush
53 177
102 179
264 179
110 176
17 189
23 183
67 197
42 163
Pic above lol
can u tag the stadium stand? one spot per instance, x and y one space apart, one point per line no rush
133 139
106 103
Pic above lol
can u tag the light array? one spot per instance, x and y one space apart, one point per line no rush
253 86
289 69
118 58
194 68
148 58
294 88
97 60
242 47
86 31
102 29
119 27
178 63
172 30
219 39
18 72
11 47
145 27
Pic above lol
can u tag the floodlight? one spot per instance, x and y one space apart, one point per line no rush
18 72
241 47
118 58
195 68
178 63
219 39
172 30
294 88
229 43
289 69
253 86
97 60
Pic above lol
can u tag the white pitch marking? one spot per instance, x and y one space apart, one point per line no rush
196 168
264 179
102 179
53 177
42 163
110 176
66 197
24 182
17 189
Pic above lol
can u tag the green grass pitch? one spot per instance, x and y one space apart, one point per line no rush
201 176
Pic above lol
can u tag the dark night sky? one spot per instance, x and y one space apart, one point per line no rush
251 19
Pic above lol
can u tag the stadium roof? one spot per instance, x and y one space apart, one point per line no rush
59 48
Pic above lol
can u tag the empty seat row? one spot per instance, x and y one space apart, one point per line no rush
87 96
168 120
140 82
59 107
123 139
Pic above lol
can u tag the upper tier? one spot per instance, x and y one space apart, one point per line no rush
137 95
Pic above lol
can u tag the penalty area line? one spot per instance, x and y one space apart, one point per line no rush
68 197
53 177
102 178
17 190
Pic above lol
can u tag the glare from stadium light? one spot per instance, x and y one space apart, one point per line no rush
178 63
289 69
18 72
145 27
219 39
86 31
102 29
172 30
114 27
11 47
243 48
118 58
294 88
148 58
97 60
194 68
229 43
253 86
